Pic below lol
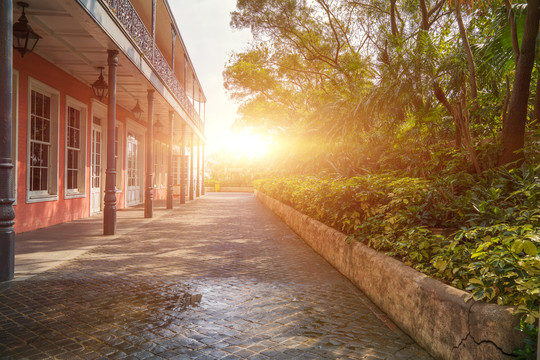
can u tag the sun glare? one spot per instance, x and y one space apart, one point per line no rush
245 143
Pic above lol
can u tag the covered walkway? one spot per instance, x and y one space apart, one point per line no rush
219 278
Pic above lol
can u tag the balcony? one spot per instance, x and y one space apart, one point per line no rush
129 19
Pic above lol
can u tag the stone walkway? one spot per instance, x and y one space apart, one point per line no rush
218 278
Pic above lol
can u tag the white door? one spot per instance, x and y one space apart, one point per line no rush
95 181
133 193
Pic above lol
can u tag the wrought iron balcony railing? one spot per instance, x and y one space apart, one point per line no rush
126 14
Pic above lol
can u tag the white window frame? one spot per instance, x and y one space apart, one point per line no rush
51 194
119 132
15 131
164 164
83 109
156 163
138 131
176 169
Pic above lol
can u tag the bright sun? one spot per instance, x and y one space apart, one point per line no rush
245 143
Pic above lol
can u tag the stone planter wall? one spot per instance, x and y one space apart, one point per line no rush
434 314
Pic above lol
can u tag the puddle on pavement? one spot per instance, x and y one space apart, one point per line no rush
187 300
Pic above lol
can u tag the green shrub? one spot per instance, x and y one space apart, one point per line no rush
477 234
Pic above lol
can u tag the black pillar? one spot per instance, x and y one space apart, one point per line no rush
198 185
203 191
191 197
109 210
170 172
149 192
7 214
182 166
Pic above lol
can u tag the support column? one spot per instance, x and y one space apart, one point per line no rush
154 4
203 191
173 48
198 185
109 210
182 166
149 186
7 214
170 172
191 169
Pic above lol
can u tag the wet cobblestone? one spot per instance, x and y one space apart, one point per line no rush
219 278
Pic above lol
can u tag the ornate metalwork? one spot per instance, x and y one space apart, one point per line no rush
126 14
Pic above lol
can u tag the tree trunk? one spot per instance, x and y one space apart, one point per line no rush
537 102
461 116
506 101
424 25
514 127
439 94
468 52
513 30
393 17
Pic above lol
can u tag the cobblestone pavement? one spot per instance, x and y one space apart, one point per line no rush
219 278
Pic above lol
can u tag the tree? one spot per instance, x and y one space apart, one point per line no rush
514 127
303 59
399 76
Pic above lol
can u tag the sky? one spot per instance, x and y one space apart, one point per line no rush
204 27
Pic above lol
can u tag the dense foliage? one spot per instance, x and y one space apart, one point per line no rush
352 85
480 235
230 169
420 108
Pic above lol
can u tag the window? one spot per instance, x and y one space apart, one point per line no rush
164 164
132 166
156 164
118 151
40 142
176 170
116 147
73 152
43 143
186 170
75 178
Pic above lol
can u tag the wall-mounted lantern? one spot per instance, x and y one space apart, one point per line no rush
100 87
137 111
158 125
25 38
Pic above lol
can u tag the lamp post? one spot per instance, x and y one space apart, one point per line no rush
191 180
7 214
203 190
183 166
149 191
109 210
170 163
198 181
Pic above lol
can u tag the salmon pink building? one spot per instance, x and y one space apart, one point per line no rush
106 112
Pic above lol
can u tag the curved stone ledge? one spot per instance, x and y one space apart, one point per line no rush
434 314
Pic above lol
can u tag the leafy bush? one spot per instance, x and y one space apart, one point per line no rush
477 234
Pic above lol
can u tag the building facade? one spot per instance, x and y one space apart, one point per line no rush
150 125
